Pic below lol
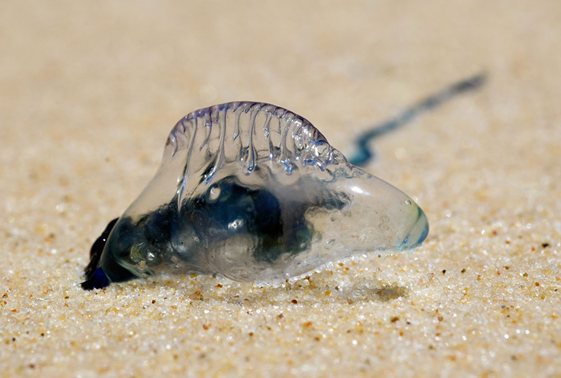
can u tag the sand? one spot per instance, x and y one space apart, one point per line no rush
89 91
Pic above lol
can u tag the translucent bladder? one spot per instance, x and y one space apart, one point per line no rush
253 192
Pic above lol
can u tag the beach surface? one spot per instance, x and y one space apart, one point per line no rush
89 92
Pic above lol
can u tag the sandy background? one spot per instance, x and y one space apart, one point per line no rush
89 91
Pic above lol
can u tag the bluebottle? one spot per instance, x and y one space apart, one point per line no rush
252 192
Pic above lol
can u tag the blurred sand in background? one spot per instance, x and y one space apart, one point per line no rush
89 91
